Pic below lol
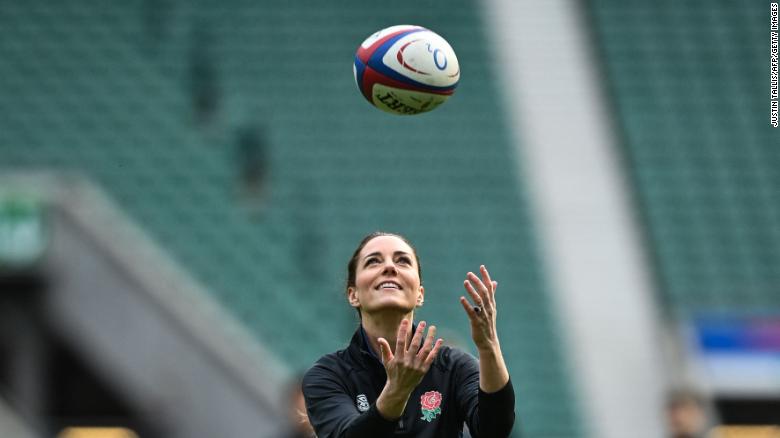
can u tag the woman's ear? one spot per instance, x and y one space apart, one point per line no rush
352 297
421 297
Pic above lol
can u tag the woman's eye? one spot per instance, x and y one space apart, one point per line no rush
372 261
405 260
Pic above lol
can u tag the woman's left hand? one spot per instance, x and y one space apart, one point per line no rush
493 374
482 313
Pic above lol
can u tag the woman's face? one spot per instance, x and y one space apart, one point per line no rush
386 277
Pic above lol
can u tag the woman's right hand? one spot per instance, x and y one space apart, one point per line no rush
405 367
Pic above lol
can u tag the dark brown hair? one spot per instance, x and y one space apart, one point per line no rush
352 265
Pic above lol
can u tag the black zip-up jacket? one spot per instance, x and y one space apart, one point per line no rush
342 387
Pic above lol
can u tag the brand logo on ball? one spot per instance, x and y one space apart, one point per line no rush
437 53
430 403
439 58
362 403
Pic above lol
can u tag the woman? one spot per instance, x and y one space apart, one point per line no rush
394 379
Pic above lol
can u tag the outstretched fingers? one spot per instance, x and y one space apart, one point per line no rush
401 338
485 275
417 339
490 285
480 300
428 345
482 290
387 353
472 314
482 313
432 355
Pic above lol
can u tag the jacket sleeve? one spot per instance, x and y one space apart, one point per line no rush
487 414
332 411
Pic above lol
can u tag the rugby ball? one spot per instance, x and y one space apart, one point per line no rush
406 70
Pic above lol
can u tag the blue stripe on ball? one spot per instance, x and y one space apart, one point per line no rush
360 69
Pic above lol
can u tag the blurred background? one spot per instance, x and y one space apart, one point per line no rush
183 182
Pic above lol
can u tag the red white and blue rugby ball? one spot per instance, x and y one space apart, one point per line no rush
406 69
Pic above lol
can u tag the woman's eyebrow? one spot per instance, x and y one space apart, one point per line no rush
377 253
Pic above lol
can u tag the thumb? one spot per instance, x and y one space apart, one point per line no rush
387 354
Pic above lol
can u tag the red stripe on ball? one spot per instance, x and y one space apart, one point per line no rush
365 53
371 77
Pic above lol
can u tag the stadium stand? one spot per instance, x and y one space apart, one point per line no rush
690 86
148 98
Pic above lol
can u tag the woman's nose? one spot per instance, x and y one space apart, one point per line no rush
390 266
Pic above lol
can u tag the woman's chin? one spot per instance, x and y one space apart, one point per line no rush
392 305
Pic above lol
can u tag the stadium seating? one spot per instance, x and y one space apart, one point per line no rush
149 99
690 85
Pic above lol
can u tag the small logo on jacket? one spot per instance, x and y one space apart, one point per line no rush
430 403
362 403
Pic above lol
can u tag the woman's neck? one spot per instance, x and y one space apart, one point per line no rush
384 326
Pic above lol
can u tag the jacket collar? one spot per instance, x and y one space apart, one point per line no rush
366 345
360 349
